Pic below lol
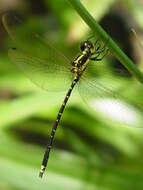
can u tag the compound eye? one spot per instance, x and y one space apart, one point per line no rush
82 46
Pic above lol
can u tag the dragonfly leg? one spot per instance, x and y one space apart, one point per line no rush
97 45
95 58
98 48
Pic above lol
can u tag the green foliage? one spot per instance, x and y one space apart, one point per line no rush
90 151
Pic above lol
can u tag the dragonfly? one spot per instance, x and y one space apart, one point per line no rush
42 68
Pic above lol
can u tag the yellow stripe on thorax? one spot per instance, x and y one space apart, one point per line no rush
85 65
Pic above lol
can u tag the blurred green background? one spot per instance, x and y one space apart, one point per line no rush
90 151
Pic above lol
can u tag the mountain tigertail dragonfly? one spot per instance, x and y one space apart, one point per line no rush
44 65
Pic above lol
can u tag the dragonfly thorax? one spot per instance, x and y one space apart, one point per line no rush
81 62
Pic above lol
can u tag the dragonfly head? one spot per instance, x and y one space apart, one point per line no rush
87 45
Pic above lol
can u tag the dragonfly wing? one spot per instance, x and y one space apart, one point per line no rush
43 72
36 57
108 103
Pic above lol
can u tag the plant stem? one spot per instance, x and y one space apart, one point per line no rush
118 53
